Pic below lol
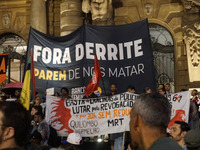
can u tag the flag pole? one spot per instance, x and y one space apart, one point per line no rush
123 140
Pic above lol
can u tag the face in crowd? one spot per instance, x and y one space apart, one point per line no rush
161 91
37 101
64 92
160 86
113 89
194 92
175 132
148 91
33 111
131 90
167 87
178 131
14 125
17 93
145 117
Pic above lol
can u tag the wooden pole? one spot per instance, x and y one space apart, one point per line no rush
123 140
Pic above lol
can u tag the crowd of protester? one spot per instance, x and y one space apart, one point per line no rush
21 129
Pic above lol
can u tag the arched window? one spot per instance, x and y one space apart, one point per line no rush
15 46
163 52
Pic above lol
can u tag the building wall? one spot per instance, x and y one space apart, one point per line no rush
165 13
15 18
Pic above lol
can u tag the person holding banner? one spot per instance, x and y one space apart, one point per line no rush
131 89
167 88
149 119
65 92
113 89
117 138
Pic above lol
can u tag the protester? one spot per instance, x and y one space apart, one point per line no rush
150 116
192 140
65 92
161 86
131 89
36 109
74 138
194 98
17 94
167 88
56 94
37 101
193 116
113 89
74 142
147 90
36 138
177 131
34 125
14 125
117 138
43 127
161 91
183 90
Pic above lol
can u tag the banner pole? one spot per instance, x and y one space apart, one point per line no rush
123 140
103 86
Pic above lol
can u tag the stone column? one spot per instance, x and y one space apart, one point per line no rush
70 13
191 30
38 15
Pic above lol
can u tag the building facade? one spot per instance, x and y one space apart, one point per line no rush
174 29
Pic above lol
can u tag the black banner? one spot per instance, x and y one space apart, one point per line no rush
124 53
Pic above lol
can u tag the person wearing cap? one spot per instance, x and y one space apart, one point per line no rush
192 140
74 141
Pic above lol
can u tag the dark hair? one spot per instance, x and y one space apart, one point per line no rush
146 89
36 135
167 84
40 114
163 89
183 125
16 116
64 88
162 85
113 84
35 99
131 87
154 110
38 108
195 90
57 93
183 90
69 146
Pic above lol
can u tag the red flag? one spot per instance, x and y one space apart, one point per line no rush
3 66
32 73
96 77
